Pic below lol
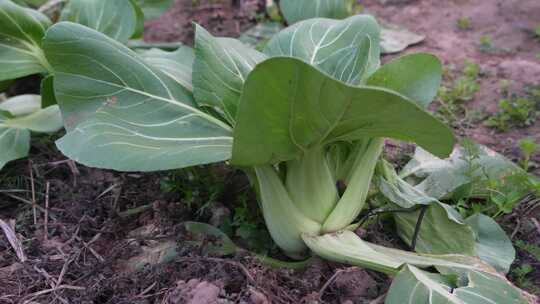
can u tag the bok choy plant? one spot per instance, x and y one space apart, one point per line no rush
309 111
21 32
22 29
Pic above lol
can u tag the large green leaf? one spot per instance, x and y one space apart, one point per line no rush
154 8
413 285
348 50
441 231
121 113
21 30
178 65
493 245
220 69
421 85
117 19
309 108
298 10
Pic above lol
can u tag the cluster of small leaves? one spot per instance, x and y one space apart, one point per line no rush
520 111
521 273
521 277
247 225
503 193
507 193
198 189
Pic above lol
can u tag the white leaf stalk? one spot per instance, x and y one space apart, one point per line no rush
307 202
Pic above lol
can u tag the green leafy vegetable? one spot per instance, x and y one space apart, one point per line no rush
298 10
117 19
443 230
21 30
220 69
474 166
154 8
413 285
177 64
19 116
299 119
492 244
124 114
258 35
312 115
345 49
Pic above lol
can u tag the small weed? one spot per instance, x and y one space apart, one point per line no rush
537 32
247 225
464 23
486 43
461 90
514 110
520 273
502 195
506 193
528 147
198 188
531 249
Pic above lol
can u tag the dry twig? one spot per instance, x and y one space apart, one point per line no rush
9 232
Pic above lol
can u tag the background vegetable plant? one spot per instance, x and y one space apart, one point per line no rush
19 116
22 30
269 114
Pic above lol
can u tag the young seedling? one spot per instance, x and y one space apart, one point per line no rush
464 23
515 111
461 89
486 43
528 147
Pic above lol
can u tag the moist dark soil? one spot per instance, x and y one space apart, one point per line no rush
221 18
91 236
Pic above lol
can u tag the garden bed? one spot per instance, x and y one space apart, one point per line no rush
101 223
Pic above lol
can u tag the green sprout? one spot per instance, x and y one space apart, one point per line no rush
528 147
464 23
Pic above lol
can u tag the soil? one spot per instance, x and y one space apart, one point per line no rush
94 233
221 18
